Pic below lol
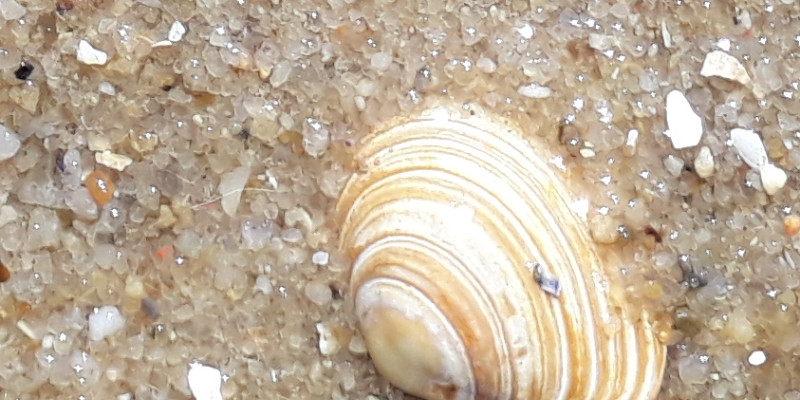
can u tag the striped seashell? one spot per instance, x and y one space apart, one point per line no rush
473 279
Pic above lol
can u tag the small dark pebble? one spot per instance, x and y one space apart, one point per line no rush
649 230
336 291
547 281
24 71
150 308
60 160
62 6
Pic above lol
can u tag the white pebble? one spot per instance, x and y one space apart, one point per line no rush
757 358
526 31
772 178
750 147
535 91
107 88
230 187
205 382
47 341
9 143
328 344
743 17
723 44
580 206
587 152
320 258
684 126
113 160
704 162
105 321
723 65
665 35
89 55
630 142
176 32
27 330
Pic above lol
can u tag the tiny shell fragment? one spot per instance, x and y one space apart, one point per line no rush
684 126
112 160
535 91
723 65
89 55
176 31
205 382
630 142
750 147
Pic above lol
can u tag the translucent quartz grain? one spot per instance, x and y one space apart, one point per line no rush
693 369
316 137
318 292
11 10
231 187
81 202
105 321
9 143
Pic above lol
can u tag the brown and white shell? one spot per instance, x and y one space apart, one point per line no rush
443 222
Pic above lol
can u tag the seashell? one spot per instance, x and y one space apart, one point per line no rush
452 225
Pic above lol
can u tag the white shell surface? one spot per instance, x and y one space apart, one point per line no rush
684 126
440 223
750 147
